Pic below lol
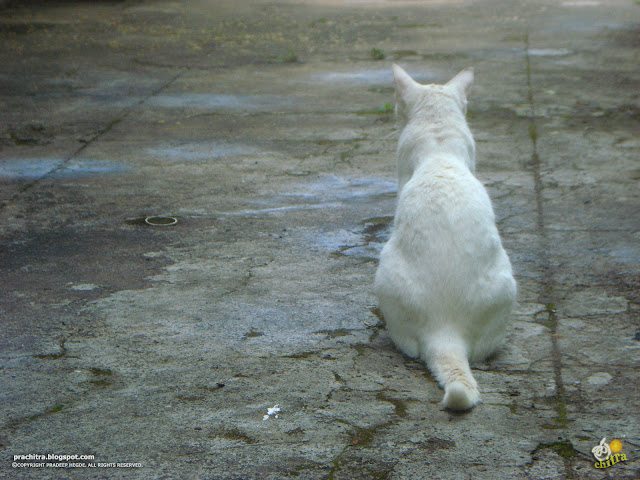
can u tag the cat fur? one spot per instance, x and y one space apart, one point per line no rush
444 282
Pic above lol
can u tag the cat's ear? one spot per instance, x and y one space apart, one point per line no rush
404 82
462 82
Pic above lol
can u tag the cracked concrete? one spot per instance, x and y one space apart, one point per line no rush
266 129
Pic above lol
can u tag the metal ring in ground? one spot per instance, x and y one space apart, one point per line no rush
161 221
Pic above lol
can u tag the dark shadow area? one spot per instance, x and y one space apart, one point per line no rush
49 3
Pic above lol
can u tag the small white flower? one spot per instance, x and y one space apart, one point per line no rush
272 411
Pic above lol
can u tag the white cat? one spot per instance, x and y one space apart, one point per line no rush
444 282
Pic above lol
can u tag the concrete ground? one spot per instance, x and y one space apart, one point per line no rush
266 129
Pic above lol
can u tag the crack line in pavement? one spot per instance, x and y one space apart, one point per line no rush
126 112
546 294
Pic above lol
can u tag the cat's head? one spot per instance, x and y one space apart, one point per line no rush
414 99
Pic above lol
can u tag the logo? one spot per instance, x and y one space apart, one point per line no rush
608 454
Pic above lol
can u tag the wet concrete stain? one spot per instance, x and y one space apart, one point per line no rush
548 52
270 210
222 102
203 151
381 76
519 52
372 236
336 188
35 168
82 256
364 242
322 192
52 261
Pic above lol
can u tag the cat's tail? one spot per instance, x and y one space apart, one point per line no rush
448 362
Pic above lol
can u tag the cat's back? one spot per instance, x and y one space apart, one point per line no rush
444 262
443 192
444 234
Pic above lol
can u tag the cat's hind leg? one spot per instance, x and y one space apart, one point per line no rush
447 360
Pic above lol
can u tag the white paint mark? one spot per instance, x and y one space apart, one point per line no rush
548 52
272 411
582 3
84 287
